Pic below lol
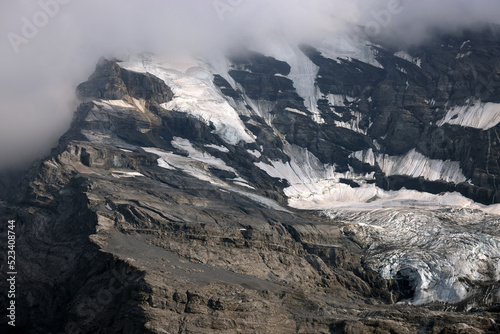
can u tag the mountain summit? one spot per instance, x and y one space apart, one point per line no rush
343 186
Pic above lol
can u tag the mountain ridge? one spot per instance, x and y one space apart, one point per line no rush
233 196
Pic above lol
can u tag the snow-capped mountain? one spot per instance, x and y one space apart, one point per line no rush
345 173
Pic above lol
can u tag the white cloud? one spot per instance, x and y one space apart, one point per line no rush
38 81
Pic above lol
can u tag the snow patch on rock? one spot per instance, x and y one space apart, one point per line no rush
303 72
197 168
348 47
406 56
218 148
295 111
413 164
353 123
185 145
122 174
475 114
337 100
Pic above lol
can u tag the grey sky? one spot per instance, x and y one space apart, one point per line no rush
47 47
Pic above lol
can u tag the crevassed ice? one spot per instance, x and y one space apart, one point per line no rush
195 93
413 164
440 251
475 114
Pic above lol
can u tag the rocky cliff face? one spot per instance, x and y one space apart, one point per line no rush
300 189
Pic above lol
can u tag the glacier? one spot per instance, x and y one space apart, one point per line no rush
406 233
439 243
196 94
442 251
